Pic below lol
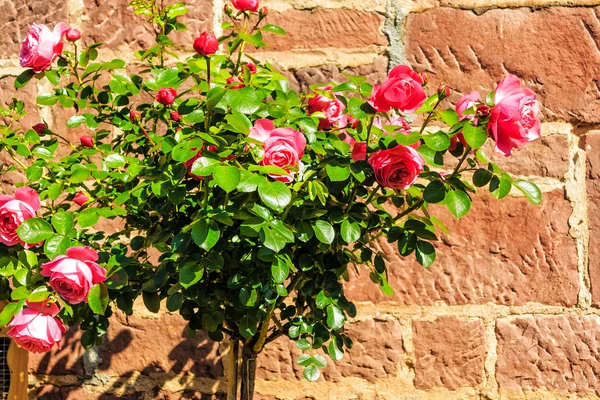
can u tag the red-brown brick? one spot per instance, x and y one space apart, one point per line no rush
591 143
557 353
554 50
449 352
507 252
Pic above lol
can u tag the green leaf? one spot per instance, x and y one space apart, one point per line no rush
273 29
437 141
500 187
239 122
75 121
475 136
7 313
34 172
151 301
62 222
19 293
319 361
56 246
226 177
337 173
530 190
449 117
47 99
115 160
190 274
303 344
98 298
458 202
186 149
247 327
23 79
214 97
248 181
204 166
275 195
88 217
35 230
205 234
435 192
482 177
350 231
244 100
280 271
174 302
324 231
39 294
335 317
425 253
335 353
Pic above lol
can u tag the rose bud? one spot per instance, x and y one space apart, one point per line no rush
233 79
166 96
36 328
424 78
483 110
245 5
207 44
80 199
228 10
134 116
87 141
73 35
73 275
42 46
175 116
251 67
443 92
264 12
39 128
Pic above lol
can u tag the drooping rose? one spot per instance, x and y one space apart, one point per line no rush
462 105
331 106
513 119
42 46
73 35
245 5
166 96
235 79
80 199
87 141
398 167
74 274
206 44
36 328
402 90
13 211
283 147
40 128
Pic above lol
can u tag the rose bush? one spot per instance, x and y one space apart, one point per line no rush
235 201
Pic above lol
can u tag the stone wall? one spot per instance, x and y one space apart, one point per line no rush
509 311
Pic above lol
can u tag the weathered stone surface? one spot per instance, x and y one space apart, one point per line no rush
66 361
591 144
301 79
449 352
115 24
157 345
507 252
376 353
557 353
321 28
554 50
19 15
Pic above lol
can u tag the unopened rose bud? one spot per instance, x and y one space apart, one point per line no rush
73 35
134 117
228 10
234 79
264 12
424 78
245 5
166 96
251 67
483 110
39 128
87 141
80 199
444 92
206 45
175 116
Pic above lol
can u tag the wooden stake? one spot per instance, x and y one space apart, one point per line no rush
19 379
232 369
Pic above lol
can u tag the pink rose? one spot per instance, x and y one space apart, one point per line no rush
402 90
251 67
42 46
166 96
235 79
80 199
13 211
331 106
73 35
359 151
462 105
283 147
245 5
206 45
87 141
36 329
398 167
513 120
175 116
73 275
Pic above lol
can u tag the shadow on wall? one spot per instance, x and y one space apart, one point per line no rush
142 358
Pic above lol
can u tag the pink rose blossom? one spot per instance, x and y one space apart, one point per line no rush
80 199
513 120
74 274
13 211
36 329
402 90
261 130
330 105
42 46
398 167
166 96
245 5
207 44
